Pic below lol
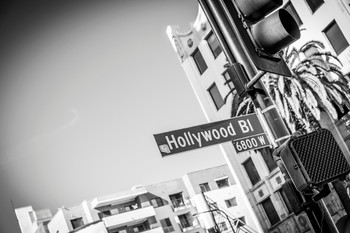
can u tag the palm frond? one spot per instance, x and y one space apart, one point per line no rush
317 84
228 94
292 57
311 44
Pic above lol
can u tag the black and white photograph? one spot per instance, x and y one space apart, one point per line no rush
175 116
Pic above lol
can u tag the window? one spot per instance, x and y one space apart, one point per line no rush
78 222
156 202
131 207
240 220
138 229
290 8
216 96
32 217
270 211
177 200
214 45
228 80
104 214
266 153
231 202
314 4
185 220
222 183
166 225
336 37
222 226
204 187
251 171
286 201
199 60
213 205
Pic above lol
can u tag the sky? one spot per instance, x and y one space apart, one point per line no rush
84 85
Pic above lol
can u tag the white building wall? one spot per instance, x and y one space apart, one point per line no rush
163 190
30 220
59 223
129 217
24 220
98 227
91 214
314 24
219 195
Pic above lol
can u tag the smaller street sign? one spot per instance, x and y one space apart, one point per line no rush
251 143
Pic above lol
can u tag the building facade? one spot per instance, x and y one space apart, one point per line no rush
204 64
179 205
30 220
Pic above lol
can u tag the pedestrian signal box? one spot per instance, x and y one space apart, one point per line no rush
313 159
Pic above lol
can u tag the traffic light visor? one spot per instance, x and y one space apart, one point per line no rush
276 31
254 10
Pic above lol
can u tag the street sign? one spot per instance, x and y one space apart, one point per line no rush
250 143
245 127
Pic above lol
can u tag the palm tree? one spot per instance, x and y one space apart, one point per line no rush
317 84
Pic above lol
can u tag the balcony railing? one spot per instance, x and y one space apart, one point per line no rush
128 217
188 224
184 223
152 230
155 230
180 203
168 229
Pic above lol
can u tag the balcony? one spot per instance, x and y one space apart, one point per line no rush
130 217
180 204
168 229
117 198
189 224
154 230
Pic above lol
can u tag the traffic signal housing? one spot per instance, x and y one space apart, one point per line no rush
264 31
239 77
295 200
313 159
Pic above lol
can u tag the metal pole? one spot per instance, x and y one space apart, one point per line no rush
343 196
327 218
212 16
235 51
211 213
229 221
235 47
255 79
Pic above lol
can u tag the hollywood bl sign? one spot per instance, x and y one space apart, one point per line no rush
245 132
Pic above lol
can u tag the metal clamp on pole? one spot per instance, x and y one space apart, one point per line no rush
255 79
